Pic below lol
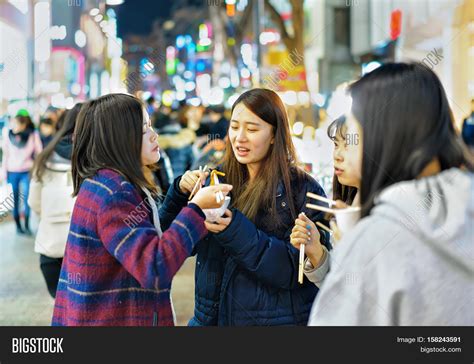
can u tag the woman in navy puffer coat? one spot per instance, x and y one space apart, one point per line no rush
246 268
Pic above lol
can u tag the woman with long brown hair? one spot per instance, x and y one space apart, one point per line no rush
122 250
246 272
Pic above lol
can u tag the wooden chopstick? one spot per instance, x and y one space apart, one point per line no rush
320 208
301 264
198 183
324 227
321 198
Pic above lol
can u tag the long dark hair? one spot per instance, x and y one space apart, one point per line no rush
281 157
340 191
406 123
66 131
109 134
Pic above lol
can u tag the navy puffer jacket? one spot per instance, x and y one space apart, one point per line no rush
248 274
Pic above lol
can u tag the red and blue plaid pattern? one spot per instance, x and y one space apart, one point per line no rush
115 274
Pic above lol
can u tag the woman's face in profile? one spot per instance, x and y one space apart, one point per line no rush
348 153
150 149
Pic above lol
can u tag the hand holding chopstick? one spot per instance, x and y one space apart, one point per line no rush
305 237
199 182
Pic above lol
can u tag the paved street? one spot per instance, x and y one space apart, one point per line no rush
24 299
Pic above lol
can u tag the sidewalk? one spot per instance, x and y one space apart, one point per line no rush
24 299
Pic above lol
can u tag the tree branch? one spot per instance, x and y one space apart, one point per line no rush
243 23
276 18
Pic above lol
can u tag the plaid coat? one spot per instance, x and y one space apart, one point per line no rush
116 270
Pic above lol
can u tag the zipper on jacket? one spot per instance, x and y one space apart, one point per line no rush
155 319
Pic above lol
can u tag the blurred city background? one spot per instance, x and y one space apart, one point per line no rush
189 60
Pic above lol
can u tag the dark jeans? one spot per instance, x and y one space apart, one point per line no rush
51 267
20 182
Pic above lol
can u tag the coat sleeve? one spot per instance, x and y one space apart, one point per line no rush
153 261
274 261
317 274
174 201
268 258
369 281
34 197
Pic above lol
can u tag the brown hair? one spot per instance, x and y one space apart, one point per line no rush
108 134
281 157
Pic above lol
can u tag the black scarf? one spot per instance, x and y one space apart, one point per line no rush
20 139
64 147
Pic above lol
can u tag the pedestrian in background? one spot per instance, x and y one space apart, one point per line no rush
51 198
176 139
46 131
21 144
219 123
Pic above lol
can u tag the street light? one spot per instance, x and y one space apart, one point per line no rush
168 25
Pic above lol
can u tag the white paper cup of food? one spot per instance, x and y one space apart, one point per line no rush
347 218
213 214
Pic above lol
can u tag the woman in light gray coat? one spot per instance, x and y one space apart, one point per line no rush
51 198
409 259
